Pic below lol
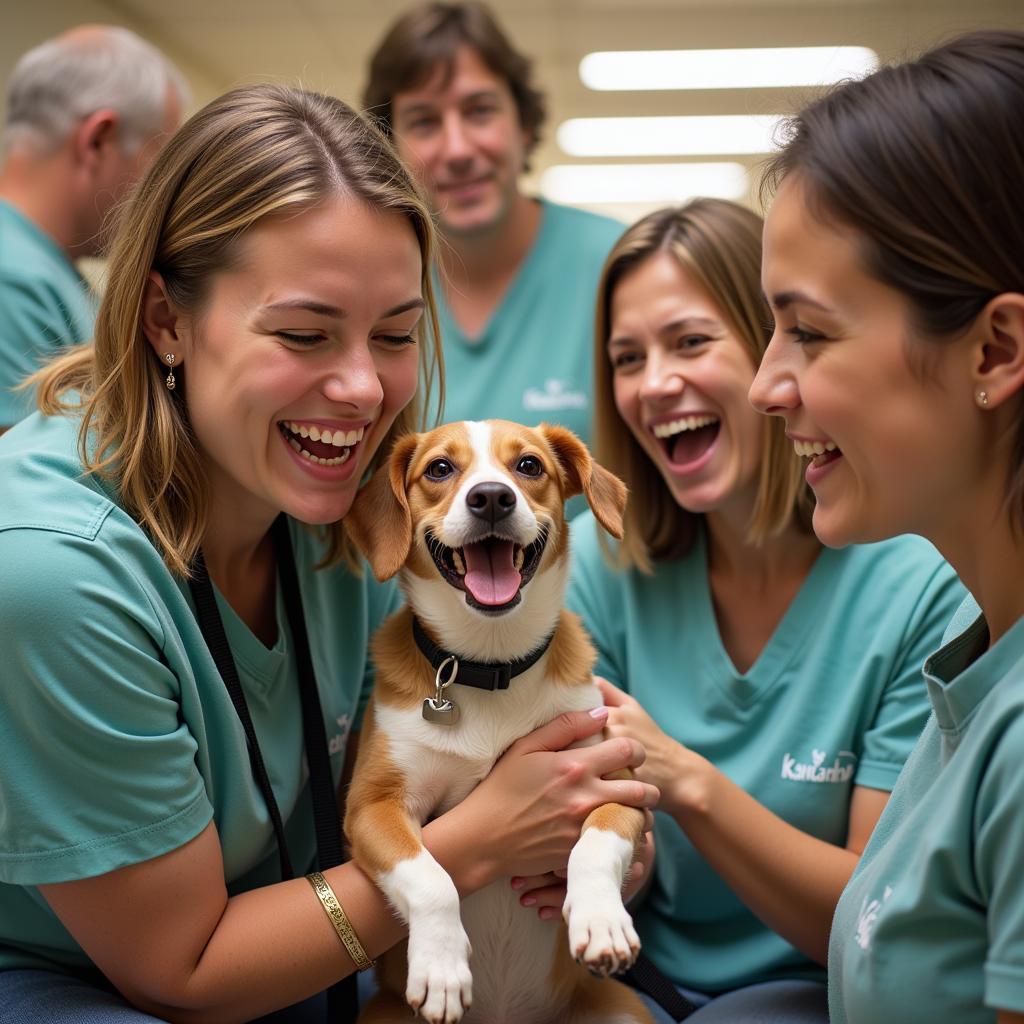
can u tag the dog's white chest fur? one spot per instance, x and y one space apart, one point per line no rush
513 951
442 763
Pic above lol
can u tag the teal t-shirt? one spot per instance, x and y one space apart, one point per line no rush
534 360
931 926
118 740
835 700
45 304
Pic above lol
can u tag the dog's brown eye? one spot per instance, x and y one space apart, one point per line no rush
440 469
529 465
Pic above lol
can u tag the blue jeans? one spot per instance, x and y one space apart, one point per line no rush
47 997
771 1002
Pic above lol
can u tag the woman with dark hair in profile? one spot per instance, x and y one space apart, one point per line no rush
774 685
185 627
894 263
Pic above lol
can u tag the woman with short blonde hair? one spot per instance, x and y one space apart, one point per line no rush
719 245
186 628
773 683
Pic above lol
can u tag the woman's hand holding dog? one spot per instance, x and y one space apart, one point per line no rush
528 812
682 776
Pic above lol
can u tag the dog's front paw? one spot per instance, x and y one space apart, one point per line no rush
439 986
601 936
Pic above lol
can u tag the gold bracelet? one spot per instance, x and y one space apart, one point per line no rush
342 925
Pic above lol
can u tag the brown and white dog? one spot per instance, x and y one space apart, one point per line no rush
471 515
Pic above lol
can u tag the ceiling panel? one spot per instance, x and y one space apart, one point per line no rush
323 44
235 40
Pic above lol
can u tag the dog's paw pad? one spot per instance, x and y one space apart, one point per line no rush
439 986
604 940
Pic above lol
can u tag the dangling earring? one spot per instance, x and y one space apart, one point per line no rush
983 398
170 381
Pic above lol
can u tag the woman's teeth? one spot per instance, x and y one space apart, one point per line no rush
808 449
343 439
337 461
683 423
339 438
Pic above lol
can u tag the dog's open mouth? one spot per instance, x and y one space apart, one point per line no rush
491 571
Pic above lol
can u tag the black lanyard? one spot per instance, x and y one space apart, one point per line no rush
341 998
648 977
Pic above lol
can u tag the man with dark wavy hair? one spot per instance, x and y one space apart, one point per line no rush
518 275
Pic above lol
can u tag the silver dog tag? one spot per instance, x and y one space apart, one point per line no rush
440 712
439 709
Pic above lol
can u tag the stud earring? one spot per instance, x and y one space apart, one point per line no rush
170 381
983 398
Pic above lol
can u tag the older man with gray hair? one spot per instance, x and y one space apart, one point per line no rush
86 113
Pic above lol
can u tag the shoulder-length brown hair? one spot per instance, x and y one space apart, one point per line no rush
253 152
718 244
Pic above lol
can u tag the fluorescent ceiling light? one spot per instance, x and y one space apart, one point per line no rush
667 136
642 183
725 69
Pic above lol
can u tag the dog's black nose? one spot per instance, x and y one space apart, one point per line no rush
491 501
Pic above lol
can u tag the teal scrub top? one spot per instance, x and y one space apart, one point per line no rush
835 700
118 740
931 926
534 362
45 305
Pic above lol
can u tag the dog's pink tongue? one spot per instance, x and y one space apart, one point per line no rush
491 576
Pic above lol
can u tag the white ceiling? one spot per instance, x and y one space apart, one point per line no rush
323 44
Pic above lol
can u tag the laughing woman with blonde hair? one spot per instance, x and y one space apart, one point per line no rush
186 629
774 684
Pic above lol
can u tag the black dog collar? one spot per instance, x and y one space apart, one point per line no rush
484 675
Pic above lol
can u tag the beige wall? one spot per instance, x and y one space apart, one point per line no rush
24 25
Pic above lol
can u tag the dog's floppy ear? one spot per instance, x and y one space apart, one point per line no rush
604 491
379 521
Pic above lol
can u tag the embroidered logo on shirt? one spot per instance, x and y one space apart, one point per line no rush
556 395
840 770
868 916
336 744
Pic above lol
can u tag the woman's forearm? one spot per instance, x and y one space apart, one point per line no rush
263 949
272 947
247 968
789 879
